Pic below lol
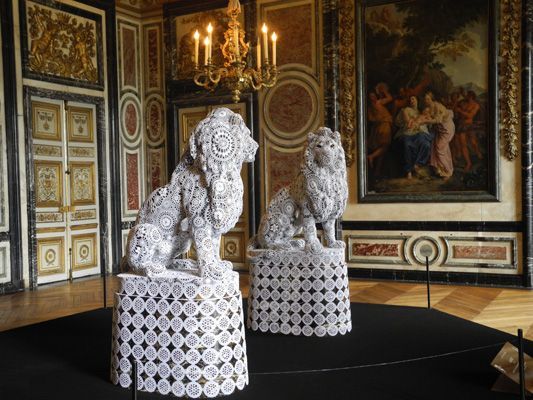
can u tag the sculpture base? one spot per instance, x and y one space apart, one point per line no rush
294 292
186 335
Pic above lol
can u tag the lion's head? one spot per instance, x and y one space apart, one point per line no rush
324 149
222 142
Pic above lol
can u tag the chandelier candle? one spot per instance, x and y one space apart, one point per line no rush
236 41
210 36
264 29
206 44
196 47
274 38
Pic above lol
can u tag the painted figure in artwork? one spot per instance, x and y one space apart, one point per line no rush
318 194
203 200
413 138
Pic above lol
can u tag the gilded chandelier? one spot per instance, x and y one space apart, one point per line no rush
235 75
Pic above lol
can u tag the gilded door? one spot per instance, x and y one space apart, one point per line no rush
65 175
233 243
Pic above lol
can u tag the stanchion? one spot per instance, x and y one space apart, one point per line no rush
133 379
427 283
105 289
521 365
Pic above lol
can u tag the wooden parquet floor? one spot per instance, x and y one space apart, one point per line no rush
503 309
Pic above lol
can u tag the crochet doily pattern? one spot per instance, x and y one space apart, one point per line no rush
186 335
294 292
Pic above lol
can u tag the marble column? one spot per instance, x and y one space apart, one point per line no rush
527 139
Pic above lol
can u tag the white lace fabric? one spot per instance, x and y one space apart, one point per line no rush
293 292
186 335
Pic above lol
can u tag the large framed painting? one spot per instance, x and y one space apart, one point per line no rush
427 100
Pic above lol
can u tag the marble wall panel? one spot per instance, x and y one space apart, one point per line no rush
129 56
486 252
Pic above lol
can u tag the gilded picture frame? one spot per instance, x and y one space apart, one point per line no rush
427 101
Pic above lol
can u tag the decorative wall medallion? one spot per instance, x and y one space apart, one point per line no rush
48 183
80 124
82 183
377 249
155 118
84 251
81 215
290 109
50 256
46 150
130 118
46 121
88 152
426 245
63 42
44 217
132 181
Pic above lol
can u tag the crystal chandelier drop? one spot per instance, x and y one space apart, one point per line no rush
235 75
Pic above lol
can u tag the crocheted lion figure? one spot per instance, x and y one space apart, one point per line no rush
203 200
318 194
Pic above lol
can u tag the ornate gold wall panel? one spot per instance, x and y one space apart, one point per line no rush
50 255
62 42
84 251
46 121
82 183
80 126
48 183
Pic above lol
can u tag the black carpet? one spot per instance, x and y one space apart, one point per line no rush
68 358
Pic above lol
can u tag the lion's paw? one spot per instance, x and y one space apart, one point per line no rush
337 244
314 247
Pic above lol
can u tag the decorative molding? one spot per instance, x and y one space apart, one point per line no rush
510 75
347 77
490 252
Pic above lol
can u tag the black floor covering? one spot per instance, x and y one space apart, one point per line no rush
68 358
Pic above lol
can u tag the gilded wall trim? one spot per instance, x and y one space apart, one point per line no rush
347 77
510 75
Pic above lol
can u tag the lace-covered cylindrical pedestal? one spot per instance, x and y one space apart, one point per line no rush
186 335
297 293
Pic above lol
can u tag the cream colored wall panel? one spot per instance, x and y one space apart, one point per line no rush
479 252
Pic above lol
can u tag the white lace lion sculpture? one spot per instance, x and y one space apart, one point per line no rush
318 194
202 201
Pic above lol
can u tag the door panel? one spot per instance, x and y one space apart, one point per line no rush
65 171
83 215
